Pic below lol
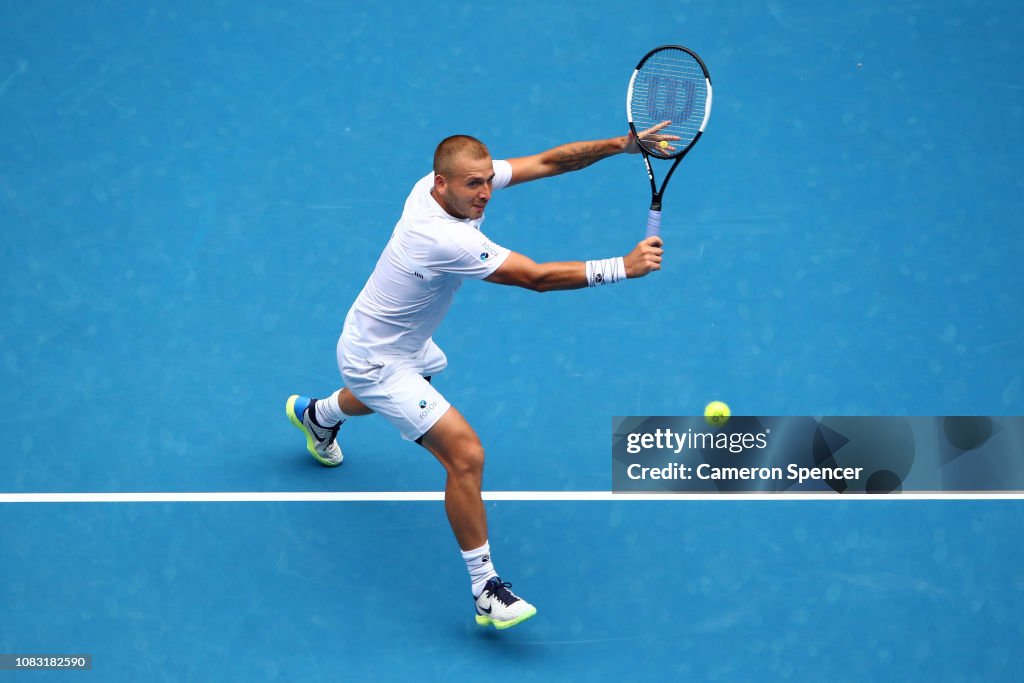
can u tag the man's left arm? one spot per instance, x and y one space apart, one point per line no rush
564 158
576 155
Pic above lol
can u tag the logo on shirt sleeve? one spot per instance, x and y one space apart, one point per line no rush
489 251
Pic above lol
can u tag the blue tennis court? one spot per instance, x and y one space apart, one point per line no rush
192 194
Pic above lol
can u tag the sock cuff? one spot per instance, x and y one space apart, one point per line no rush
327 413
477 553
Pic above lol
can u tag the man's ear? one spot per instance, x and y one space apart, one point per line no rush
440 185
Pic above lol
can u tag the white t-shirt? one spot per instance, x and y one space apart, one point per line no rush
417 275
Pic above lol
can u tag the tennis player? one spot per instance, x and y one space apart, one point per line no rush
386 353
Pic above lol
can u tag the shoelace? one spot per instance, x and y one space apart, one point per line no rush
499 590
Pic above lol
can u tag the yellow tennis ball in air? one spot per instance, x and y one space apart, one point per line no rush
716 413
663 144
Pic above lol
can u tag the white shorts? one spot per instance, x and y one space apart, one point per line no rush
396 388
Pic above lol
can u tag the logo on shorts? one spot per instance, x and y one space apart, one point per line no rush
484 256
426 407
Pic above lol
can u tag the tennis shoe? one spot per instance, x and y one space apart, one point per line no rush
321 442
500 607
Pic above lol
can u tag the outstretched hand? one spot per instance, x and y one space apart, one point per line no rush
651 135
644 258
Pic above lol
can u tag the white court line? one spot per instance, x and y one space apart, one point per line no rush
436 496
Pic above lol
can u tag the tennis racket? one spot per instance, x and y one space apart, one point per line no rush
669 86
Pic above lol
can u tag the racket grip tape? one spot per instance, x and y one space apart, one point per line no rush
653 223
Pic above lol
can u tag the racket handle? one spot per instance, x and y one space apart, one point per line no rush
653 223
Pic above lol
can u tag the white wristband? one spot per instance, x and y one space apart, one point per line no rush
605 271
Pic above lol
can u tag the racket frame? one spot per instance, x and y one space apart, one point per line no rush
654 216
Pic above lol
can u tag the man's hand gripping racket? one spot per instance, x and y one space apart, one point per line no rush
645 258
667 105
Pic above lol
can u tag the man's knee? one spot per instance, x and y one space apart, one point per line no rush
456 445
462 456
467 459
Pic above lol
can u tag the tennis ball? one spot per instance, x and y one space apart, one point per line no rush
663 144
716 413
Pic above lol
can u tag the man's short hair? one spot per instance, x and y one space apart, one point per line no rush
453 147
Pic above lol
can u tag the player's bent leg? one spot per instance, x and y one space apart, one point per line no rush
457 447
321 442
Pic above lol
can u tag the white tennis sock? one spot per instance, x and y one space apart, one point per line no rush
328 412
478 562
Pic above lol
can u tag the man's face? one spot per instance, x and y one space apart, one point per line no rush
465 191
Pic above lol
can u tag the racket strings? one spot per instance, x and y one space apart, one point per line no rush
670 86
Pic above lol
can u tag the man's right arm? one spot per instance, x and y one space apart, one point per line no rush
521 271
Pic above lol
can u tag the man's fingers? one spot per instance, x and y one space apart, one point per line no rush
654 129
646 257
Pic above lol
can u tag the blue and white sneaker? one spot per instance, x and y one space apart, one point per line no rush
321 442
501 608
